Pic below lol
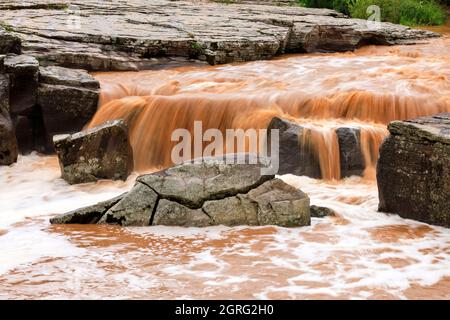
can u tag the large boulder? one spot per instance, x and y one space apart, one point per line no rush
413 171
350 154
103 152
68 99
203 192
23 72
8 142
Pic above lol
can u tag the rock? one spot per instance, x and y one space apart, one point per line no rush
294 157
147 34
207 192
23 71
321 212
8 142
351 157
9 43
87 215
102 152
413 171
68 99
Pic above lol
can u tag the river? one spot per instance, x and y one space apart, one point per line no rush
361 253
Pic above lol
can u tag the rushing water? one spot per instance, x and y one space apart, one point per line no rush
361 253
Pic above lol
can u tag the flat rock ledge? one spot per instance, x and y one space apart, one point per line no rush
142 34
201 193
413 170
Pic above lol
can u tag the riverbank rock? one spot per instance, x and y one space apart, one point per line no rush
9 43
23 73
8 142
102 152
201 193
68 99
413 170
147 34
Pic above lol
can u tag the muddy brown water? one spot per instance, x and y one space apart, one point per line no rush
361 253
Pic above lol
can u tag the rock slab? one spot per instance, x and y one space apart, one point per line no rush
103 152
201 193
413 171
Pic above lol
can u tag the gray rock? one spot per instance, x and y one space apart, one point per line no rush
321 212
23 71
102 152
413 171
87 215
145 31
171 213
9 43
350 154
68 99
295 158
134 209
208 192
8 141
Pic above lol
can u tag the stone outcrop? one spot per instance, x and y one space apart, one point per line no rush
321 212
350 154
298 157
8 142
140 34
201 193
295 158
68 99
9 43
102 152
413 171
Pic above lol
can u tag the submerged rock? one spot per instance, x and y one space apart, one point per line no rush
102 152
350 155
413 171
206 192
295 158
68 99
321 212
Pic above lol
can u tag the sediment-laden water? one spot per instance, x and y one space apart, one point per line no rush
359 254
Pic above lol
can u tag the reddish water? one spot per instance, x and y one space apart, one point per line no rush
366 89
361 253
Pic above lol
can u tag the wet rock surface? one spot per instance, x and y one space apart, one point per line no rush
102 152
350 155
205 192
138 34
321 212
413 171
8 142
68 99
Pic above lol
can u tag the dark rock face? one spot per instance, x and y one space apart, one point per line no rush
351 157
9 43
202 193
8 142
148 34
295 158
413 170
68 99
321 212
103 152
23 71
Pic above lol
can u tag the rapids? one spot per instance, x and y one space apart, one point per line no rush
361 253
